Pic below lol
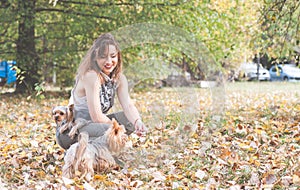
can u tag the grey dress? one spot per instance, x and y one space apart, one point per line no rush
107 94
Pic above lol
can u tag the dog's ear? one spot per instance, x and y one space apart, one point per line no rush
53 109
116 126
115 123
71 107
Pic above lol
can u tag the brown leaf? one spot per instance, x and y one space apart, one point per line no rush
269 179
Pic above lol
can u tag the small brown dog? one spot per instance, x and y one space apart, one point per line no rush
84 157
64 119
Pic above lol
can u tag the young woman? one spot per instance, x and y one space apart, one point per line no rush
99 78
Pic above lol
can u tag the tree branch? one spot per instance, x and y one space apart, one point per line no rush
72 12
94 4
118 4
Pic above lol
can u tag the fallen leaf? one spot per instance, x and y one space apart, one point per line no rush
87 186
270 179
296 179
136 183
200 174
158 176
68 181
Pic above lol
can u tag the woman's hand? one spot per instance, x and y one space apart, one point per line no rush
140 128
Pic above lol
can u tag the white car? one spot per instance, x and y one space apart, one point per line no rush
285 72
249 72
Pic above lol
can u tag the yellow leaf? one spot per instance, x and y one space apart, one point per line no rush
100 177
244 146
109 183
41 174
258 131
296 179
195 135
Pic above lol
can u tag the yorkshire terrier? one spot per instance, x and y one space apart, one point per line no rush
60 115
85 157
64 119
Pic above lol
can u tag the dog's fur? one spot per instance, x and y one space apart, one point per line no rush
84 157
64 119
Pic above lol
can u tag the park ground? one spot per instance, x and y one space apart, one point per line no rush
252 142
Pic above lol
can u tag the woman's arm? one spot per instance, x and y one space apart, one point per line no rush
91 84
129 108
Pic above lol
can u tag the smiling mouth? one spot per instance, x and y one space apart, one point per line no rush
108 66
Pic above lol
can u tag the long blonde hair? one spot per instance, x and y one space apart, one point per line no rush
98 48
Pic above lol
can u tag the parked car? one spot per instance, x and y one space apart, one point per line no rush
286 72
8 74
249 72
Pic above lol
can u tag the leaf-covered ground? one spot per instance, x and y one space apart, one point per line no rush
252 144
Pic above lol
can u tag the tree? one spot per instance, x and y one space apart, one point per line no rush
26 52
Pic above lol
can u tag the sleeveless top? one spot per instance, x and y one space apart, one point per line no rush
107 93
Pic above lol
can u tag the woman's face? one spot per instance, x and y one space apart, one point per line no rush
109 60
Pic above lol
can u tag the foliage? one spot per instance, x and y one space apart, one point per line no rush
280 28
254 145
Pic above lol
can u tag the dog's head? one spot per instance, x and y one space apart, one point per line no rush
59 114
62 114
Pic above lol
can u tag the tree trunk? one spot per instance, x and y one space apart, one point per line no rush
27 58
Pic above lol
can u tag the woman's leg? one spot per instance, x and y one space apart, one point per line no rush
122 119
93 129
63 140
